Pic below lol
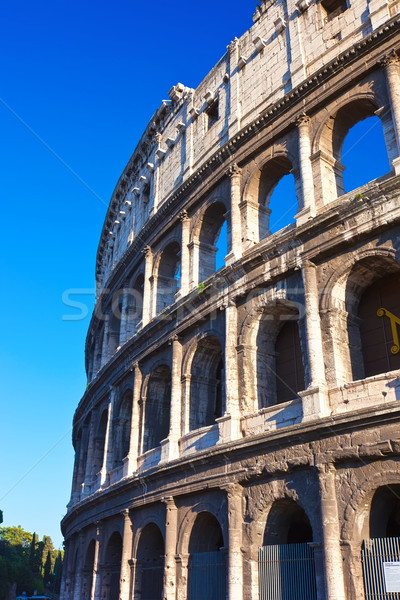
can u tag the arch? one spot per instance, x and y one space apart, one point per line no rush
112 567
287 523
88 568
99 442
209 228
207 566
207 388
328 142
384 518
122 427
168 275
114 323
157 405
134 307
150 563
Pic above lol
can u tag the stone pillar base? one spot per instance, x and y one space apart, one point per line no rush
396 165
228 428
304 216
315 403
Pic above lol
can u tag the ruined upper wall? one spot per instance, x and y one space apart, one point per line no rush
288 42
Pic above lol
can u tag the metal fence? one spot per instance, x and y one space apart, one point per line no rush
287 572
374 554
207 576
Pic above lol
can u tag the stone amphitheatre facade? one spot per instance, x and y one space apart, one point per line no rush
235 413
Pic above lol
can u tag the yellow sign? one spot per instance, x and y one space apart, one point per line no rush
394 321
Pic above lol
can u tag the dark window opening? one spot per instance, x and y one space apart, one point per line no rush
289 364
157 409
334 7
287 523
212 114
384 520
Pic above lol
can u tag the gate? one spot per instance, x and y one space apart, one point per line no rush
152 579
374 554
207 576
286 572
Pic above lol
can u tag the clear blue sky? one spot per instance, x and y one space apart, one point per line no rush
84 78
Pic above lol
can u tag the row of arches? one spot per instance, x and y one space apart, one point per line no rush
273 360
271 198
99 566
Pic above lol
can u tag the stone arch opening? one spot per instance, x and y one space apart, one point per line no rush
157 407
372 283
287 523
277 196
112 567
207 565
212 225
207 387
88 568
114 324
279 369
150 564
122 423
332 138
168 276
81 453
384 518
99 442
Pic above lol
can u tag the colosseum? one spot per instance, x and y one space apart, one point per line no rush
239 435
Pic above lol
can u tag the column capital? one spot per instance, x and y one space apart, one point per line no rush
147 251
302 120
390 58
184 216
126 513
233 490
234 170
174 338
169 502
233 45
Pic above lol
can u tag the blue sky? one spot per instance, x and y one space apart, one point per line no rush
79 83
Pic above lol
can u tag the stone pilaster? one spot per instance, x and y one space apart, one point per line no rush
182 566
90 452
391 64
333 560
63 590
234 173
185 257
171 536
308 209
230 430
124 583
124 325
146 315
176 399
194 249
235 114
235 559
96 584
130 464
315 397
79 569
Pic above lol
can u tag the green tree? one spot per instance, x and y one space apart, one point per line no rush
47 570
58 564
1 517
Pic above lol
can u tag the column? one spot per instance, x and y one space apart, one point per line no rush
130 465
176 399
315 403
333 560
65 574
235 253
90 452
104 351
230 430
96 583
182 568
194 249
78 573
235 523
308 209
124 584
147 285
171 536
391 63
124 324
185 258
234 83
107 442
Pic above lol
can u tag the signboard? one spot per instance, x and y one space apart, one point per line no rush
392 576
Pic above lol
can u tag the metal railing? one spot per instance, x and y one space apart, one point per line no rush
374 554
287 572
207 576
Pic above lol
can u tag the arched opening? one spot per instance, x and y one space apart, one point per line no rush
123 428
277 196
380 351
279 365
112 567
364 153
81 452
135 304
212 233
384 520
99 442
207 565
150 563
207 384
358 150
168 277
157 408
98 351
287 523
88 567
